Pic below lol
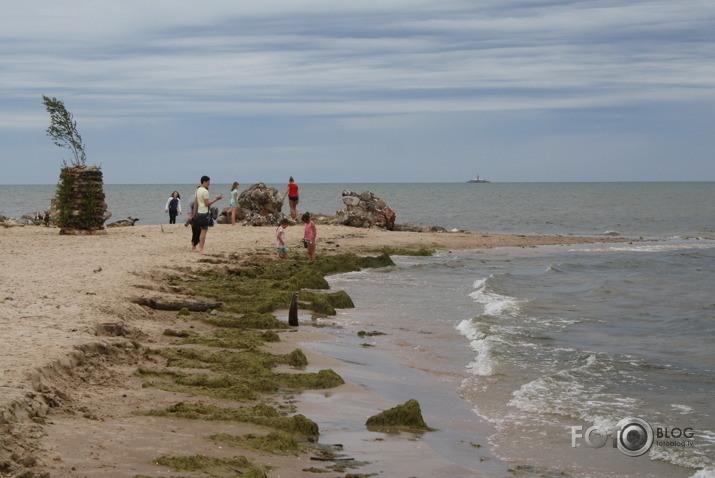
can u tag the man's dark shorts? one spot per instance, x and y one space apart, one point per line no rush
202 220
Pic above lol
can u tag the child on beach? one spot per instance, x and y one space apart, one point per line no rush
281 248
310 236
234 202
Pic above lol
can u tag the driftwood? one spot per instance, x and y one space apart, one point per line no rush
293 311
320 458
192 306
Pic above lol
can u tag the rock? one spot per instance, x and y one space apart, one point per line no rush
259 206
124 222
407 415
403 226
365 210
351 200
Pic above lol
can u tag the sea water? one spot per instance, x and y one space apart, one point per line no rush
540 343
629 209
552 338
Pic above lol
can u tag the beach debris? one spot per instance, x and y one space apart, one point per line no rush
293 311
374 333
130 221
191 306
330 458
405 416
12 223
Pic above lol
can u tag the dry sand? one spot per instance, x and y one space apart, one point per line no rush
65 402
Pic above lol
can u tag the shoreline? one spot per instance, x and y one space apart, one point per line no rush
59 292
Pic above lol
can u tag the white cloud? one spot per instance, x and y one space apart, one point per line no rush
168 64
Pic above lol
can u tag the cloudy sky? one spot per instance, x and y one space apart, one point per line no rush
164 91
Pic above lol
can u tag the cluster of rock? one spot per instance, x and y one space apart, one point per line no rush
259 205
363 210
367 210
24 220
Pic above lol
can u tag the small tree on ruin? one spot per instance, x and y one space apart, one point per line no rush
63 130
79 200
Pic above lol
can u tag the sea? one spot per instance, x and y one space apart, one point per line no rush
584 360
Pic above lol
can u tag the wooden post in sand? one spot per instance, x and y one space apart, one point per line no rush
293 311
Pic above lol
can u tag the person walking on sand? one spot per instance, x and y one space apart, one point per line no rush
292 193
234 202
310 236
281 248
203 209
173 206
193 221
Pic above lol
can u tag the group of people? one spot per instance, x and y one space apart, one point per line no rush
310 237
200 217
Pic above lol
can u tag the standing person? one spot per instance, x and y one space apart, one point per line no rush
281 248
173 206
204 209
310 236
234 202
292 193
193 221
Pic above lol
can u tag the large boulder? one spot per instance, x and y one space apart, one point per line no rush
259 205
365 210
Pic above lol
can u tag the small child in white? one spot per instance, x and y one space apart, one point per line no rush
281 248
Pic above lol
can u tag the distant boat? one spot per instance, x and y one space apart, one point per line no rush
478 180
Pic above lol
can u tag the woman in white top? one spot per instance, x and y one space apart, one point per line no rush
173 206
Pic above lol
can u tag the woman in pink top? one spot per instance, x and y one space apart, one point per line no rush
310 236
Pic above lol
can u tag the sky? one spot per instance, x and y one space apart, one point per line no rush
165 91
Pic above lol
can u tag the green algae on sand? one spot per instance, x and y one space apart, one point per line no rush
263 287
226 362
276 442
212 466
260 414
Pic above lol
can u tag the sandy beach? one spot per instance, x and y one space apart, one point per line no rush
71 329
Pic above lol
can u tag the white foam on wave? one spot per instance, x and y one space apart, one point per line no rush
494 304
705 473
479 342
684 457
564 393
648 247
682 409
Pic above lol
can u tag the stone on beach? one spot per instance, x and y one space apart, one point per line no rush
407 415
259 205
